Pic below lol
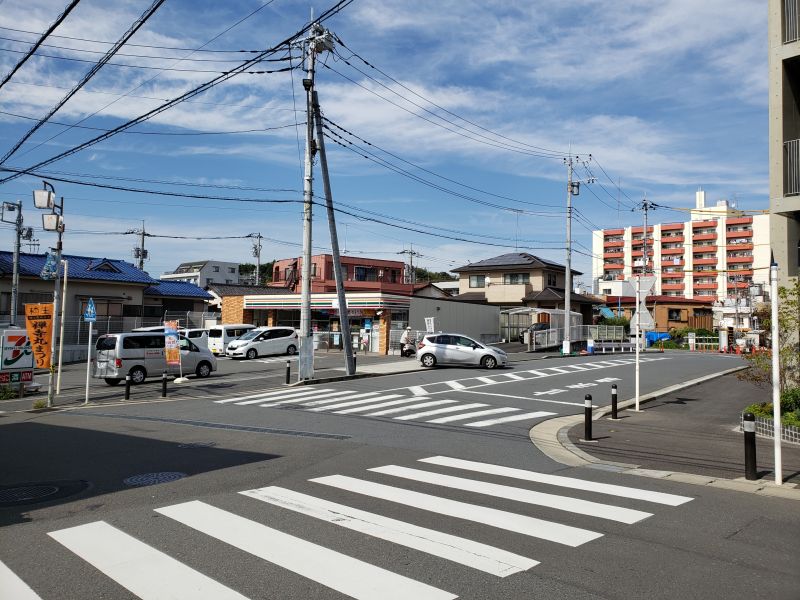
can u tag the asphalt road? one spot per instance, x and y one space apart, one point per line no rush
344 502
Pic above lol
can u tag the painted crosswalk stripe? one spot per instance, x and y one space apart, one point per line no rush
576 367
513 376
539 373
485 380
264 395
13 587
523 524
347 411
139 568
559 480
509 419
417 390
557 369
472 415
345 574
356 402
565 503
311 395
308 403
476 555
287 395
455 385
392 411
439 411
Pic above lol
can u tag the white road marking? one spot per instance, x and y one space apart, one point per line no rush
374 406
513 376
509 419
261 395
552 392
539 373
392 411
293 395
13 588
485 380
355 402
558 369
558 480
579 386
523 398
565 503
439 411
455 385
139 568
353 397
576 367
417 390
350 576
530 526
476 555
480 413
607 379
298 398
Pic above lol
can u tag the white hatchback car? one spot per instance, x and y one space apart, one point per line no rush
264 341
456 349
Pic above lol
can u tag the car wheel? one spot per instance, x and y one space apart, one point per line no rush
138 375
428 360
251 354
203 369
291 350
112 381
489 362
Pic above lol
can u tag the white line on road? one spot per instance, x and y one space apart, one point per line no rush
530 526
509 419
476 555
472 415
417 390
353 397
392 411
524 398
485 380
355 402
455 385
139 568
514 376
294 398
558 480
260 395
13 588
347 411
439 411
565 503
345 574
293 395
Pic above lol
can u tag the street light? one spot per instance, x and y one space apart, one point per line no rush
45 199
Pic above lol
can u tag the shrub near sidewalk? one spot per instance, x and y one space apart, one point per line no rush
8 393
790 408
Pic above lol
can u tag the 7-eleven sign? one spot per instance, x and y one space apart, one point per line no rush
17 353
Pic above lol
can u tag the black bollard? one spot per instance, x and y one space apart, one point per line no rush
288 371
354 363
613 400
164 384
749 427
127 387
587 418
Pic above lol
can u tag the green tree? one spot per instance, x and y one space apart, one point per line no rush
423 275
265 273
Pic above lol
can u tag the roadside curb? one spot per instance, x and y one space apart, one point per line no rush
551 438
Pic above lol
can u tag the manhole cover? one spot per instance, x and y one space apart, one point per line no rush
39 491
153 478
197 445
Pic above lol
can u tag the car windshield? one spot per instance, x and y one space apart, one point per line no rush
214 333
108 342
250 335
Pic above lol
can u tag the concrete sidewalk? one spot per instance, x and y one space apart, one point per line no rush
690 435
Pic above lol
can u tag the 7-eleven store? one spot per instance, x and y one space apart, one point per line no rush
372 316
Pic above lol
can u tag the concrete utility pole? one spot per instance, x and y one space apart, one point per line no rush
257 255
18 235
344 318
776 373
572 188
412 275
319 40
139 252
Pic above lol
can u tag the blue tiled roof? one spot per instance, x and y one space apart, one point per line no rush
80 268
179 289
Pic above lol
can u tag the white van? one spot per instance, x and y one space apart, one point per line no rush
264 341
198 336
141 355
219 336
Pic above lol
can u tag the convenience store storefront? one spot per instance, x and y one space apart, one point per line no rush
372 316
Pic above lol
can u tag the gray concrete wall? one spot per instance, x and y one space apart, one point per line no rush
480 321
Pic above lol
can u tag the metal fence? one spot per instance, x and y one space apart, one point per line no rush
766 428
791 178
552 338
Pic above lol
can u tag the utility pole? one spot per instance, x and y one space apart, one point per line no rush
412 274
18 235
646 206
572 188
319 40
257 254
344 318
139 252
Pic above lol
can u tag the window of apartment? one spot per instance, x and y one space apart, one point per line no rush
477 281
228 281
215 269
288 274
606 291
551 280
516 278
277 275
365 274
209 280
313 269
231 269
393 275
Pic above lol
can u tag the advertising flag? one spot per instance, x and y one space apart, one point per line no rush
172 351
39 324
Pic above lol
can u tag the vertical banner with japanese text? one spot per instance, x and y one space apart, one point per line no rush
172 352
39 324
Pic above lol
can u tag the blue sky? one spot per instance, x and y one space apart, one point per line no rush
666 96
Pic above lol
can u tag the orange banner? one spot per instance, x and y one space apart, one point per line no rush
39 323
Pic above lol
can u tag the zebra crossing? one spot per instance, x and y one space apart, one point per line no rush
150 573
398 407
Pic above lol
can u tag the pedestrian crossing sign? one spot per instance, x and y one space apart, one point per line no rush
90 313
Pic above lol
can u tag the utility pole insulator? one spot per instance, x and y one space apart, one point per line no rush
307 83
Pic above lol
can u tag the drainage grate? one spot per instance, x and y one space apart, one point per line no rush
153 478
39 491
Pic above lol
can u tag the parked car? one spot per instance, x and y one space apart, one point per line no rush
198 336
532 329
264 341
141 355
219 336
456 349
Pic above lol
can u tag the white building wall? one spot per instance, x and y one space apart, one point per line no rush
761 249
474 320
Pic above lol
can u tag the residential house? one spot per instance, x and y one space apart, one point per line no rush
668 312
205 272
359 274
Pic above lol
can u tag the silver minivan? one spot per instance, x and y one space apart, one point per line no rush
141 355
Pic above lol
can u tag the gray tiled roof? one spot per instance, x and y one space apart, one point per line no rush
513 260
225 289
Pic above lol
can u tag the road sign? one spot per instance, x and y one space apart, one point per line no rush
430 324
90 314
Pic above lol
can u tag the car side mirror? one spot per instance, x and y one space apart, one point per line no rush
475 346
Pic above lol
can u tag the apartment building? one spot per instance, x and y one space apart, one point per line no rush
359 274
204 272
718 253
784 135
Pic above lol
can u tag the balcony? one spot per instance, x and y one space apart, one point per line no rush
741 272
703 237
613 232
705 261
616 244
672 227
610 266
700 249
791 157
740 221
709 273
615 254
698 224
672 239
744 233
735 260
739 285
705 286
736 247
673 287
672 251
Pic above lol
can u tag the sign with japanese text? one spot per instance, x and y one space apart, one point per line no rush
17 352
172 351
39 324
15 376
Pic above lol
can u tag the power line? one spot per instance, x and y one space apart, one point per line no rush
39 42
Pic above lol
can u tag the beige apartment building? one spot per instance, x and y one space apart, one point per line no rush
719 253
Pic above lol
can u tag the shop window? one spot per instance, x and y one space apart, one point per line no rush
477 281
